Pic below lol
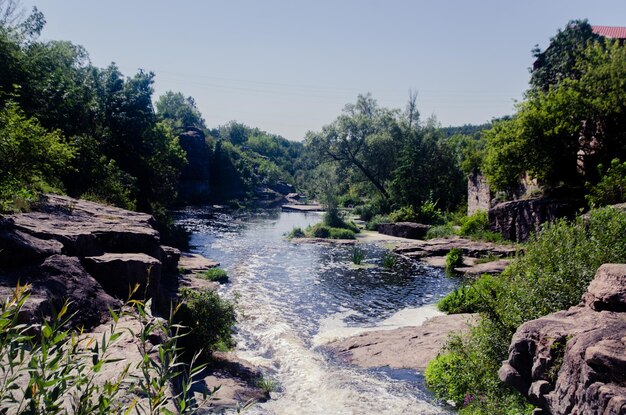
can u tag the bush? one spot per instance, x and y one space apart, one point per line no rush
404 214
389 260
611 188
454 259
296 233
471 297
441 231
215 274
554 272
323 231
372 225
477 227
332 219
209 319
337 233
427 213
357 255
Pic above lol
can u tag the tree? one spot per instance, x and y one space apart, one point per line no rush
559 60
178 111
364 137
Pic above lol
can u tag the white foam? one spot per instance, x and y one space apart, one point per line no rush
335 328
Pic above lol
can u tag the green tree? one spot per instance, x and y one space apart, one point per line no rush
179 111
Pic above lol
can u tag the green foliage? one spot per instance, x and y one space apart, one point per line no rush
357 255
441 231
372 225
427 213
472 297
179 111
215 274
209 319
50 369
296 233
323 231
611 189
557 266
389 260
29 155
477 227
454 259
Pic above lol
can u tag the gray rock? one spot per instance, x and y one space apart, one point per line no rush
19 248
57 280
407 230
573 361
120 273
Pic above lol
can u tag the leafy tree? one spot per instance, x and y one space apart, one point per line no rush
179 111
29 154
559 60
365 137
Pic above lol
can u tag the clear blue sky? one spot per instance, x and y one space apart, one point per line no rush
290 66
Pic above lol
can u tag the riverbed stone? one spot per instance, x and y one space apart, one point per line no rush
408 230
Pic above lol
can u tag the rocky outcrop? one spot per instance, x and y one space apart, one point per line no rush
518 219
574 361
409 230
441 246
401 348
83 252
194 183
478 193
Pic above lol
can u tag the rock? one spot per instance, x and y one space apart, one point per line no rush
19 248
120 273
493 267
169 259
401 348
478 193
607 291
193 186
573 361
88 228
302 208
407 230
283 188
323 241
59 279
441 246
195 263
516 220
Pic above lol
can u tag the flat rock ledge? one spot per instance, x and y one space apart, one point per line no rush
433 252
323 241
574 361
401 348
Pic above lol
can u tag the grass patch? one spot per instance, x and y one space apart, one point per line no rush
296 233
357 255
322 231
215 274
389 260
454 259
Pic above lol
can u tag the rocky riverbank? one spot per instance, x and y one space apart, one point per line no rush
574 361
91 255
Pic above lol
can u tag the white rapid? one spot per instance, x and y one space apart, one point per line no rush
294 298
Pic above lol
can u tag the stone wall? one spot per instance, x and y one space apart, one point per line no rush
478 194
518 219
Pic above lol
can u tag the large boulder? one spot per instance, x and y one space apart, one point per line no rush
58 280
87 228
574 361
409 230
518 219
119 274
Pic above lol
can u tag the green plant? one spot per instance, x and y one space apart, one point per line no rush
476 226
357 255
440 231
471 297
209 320
338 233
389 260
320 230
611 188
266 384
454 259
296 233
215 274
372 225
51 369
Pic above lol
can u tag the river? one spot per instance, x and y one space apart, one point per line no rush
294 297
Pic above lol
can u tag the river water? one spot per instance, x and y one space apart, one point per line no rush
295 297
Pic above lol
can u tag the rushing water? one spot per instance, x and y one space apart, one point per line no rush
295 297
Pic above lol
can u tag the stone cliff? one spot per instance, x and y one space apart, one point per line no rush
574 361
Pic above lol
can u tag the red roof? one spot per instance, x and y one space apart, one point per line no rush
613 32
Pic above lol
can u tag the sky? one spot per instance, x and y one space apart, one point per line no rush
288 67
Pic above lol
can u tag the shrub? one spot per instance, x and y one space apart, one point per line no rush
440 231
404 214
471 297
389 260
209 319
454 259
337 233
372 225
477 227
296 233
215 274
611 188
322 231
357 255
426 213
